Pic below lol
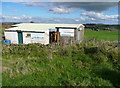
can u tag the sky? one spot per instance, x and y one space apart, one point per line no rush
60 12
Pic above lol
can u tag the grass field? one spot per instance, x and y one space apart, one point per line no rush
85 64
101 35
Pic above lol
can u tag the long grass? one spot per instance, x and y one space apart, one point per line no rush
2 31
85 64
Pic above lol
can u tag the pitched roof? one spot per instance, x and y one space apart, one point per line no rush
41 26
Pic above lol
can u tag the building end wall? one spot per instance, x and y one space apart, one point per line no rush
12 36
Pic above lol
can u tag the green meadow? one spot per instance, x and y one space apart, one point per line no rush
101 35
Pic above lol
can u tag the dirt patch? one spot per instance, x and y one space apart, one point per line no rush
5 26
3 68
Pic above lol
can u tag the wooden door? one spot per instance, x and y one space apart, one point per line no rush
54 37
20 38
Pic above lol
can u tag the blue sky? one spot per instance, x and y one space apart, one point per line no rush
20 9
56 12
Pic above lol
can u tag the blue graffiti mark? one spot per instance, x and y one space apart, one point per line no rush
38 38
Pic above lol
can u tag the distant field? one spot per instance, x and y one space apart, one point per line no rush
101 35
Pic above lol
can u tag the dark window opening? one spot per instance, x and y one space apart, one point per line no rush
28 35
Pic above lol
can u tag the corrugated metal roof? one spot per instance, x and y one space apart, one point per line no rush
41 26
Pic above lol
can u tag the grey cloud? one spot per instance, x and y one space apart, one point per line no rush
67 7
88 6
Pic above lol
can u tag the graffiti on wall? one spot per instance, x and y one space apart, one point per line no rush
37 36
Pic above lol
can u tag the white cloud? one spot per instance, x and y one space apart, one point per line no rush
25 18
14 18
59 10
99 16
109 19
41 4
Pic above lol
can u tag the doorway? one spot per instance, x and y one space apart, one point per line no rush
20 38
54 37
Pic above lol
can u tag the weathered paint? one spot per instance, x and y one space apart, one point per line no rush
13 36
30 39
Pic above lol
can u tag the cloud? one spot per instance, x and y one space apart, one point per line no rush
25 18
67 7
41 4
50 7
88 6
99 16
22 18
59 10
108 19
95 17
